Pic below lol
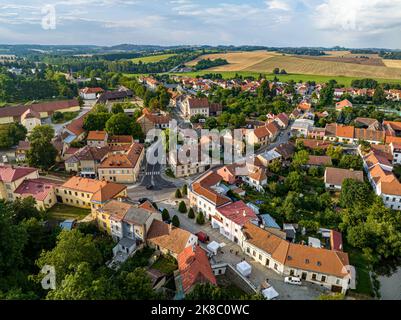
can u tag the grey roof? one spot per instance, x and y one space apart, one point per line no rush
269 221
137 216
127 243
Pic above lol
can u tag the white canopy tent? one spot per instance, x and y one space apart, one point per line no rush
270 293
244 268
213 247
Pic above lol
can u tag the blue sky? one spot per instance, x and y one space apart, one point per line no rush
350 23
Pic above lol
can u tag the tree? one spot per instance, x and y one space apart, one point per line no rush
184 190
276 71
135 285
24 209
182 207
178 194
191 213
275 166
300 159
119 124
165 215
351 162
96 121
42 153
175 221
354 193
379 97
327 96
200 218
334 152
205 291
137 132
117 108
72 248
295 181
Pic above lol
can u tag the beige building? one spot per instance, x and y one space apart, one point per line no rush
122 167
30 119
12 177
89 193
194 106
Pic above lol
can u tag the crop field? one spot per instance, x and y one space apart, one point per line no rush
392 63
154 58
339 64
237 60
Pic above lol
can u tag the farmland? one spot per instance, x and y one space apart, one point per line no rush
339 64
152 59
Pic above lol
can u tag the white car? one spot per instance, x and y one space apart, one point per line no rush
293 280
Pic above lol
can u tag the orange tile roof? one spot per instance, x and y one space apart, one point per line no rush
298 256
194 267
97 135
203 187
343 104
345 131
261 132
102 190
126 160
168 237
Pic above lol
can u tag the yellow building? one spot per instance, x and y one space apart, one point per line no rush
89 193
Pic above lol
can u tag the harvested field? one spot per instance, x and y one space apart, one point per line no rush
355 59
237 60
392 63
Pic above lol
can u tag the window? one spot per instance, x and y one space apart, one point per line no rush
247 250
323 279
314 276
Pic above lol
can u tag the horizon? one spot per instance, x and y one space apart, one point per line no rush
274 23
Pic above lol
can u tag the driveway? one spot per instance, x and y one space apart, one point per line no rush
232 253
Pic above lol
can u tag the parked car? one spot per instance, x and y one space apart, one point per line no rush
293 280
202 237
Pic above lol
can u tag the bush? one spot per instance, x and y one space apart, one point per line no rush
182 207
184 190
191 213
165 215
200 218
175 221
178 194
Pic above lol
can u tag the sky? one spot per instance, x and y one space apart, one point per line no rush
348 23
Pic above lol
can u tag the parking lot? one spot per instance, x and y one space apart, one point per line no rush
232 253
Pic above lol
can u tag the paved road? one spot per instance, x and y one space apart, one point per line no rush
232 254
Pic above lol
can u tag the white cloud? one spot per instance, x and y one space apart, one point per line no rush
278 5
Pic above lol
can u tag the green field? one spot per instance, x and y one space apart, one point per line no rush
61 212
152 59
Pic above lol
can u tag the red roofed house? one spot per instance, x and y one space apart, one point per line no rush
193 268
230 219
97 139
343 104
42 190
282 120
30 119
336 240
194 106
90 93
12 177
151 120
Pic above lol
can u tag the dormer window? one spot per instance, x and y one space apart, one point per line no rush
319 263
307 261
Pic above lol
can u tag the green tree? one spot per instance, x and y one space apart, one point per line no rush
200 218
72 248
119 124
42 153
191 213
300 159
351 162
96 121
182 207
327 96
136 285
294 181
165 215
205 291
334 152
379 97
354 193
175 221
184 190
275 166
117 108
178 194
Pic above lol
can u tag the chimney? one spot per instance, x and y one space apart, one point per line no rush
244 213
170 227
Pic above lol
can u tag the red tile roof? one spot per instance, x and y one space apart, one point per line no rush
194 267
238 212
11 174
36 188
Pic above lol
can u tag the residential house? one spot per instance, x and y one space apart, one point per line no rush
21 151
42 190
328 268
12 177
74 130
120 141
230 219
319 161
340 106
97 139
168 239
193 268
122 167
334 177
301 127
282 120
345 134
89 193
90 93
268 157
30 119
121 94
86 161
151 120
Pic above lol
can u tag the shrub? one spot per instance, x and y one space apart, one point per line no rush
184 190
182 207
200 218
165 215
175 221
178 194
191 213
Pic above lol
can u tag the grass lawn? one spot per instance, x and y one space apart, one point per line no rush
165 265
364 283
154 58
62 212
